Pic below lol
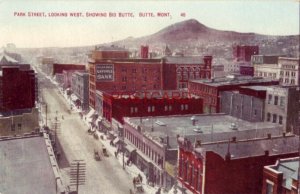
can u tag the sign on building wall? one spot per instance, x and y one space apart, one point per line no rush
104 72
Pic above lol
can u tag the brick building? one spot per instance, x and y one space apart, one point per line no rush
244 52
234 166
246 69
210 90
144 52
80 87
18 87
111 69
118 105
154 139
281 177
178 70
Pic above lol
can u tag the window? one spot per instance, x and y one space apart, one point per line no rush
281 102
19 126
170 107
135 109
124 69
269 99
293 74
274 118
133 70
123 87
166 108
269 188
13 127
149 108
287 73
280 120
186 107
255 112
281 73
275 100
292 81
268 117
124 79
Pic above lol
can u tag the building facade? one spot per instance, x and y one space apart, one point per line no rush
18 78
247 103
281 177
155 137
282 106
289 71
210 90
144 104
234 166
80 87
244 52
186 68
19 122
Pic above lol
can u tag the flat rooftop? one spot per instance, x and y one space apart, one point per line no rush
25 166
233 80
207 128
256 147
289 168
256 88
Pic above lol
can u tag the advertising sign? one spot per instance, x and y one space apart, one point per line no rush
104 72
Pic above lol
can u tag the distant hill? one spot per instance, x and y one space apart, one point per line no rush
194 38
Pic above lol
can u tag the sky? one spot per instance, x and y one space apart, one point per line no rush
273 17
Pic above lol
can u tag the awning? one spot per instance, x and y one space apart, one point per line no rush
116 140
74 97
130 148
91 113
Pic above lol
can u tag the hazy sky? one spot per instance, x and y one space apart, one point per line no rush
279 17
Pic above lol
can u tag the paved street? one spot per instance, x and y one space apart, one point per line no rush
102 177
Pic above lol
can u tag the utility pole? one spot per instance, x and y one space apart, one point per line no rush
77 173
46 113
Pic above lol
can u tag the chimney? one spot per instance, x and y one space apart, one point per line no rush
167 139
266 152
234 139
198 143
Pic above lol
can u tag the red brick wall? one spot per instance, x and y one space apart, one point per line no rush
124 107
18 87
133 77
243 175
275 178
210 93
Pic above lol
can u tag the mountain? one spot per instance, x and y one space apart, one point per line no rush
190 37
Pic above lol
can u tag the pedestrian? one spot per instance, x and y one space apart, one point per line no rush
140 177
158 191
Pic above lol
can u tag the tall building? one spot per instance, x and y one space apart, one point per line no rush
111 69
244 52
17 89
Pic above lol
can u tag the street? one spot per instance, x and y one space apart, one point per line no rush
102 177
